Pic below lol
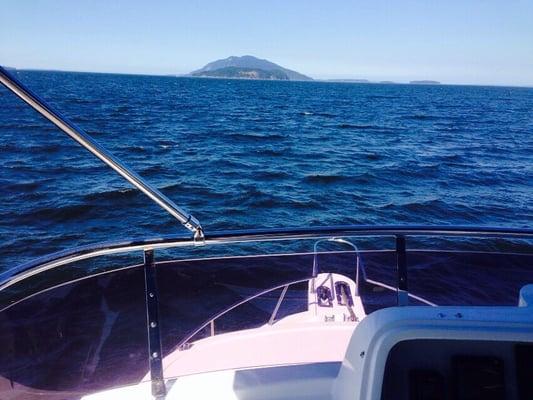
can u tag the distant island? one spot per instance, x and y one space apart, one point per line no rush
424 83
349 80
248 67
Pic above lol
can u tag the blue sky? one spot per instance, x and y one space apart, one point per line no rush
467 41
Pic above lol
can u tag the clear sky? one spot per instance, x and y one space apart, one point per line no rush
453 41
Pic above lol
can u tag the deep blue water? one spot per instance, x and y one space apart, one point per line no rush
247 154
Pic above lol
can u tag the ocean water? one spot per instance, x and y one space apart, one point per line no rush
253 154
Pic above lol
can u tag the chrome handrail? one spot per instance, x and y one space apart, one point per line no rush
80 136
394 289
184 343
211 321
54 260
337 240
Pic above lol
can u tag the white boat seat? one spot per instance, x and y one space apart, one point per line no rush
419 352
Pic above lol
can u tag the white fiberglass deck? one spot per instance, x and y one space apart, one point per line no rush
320 334
309 345
484 333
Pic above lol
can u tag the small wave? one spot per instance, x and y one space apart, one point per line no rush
122 195
111 195
8 147
356 126
380 96
428 166
58 214
79 100
451 159
174 186
33 196
254 197
121 110
305 204
21 186
436 208
448 128
137 149
235 164
23 125
318 114
272 175
80 118
264 203
46 148
422 117
252 137
324 178
153 170
369 127
271 152
372 156
167 144
362 179
258 199
197 193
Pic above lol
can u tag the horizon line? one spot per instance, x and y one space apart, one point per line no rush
324 80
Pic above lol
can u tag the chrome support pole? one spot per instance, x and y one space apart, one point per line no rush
155 351
80 136
401 266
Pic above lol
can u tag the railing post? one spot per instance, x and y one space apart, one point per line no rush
278 305
154 333
357 291
401 265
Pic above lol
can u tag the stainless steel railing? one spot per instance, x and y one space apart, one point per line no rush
316 268
55 260
80 136
185 343
211 321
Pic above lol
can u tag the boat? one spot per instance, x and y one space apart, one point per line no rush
339 312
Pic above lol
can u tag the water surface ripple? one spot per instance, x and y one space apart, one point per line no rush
247 154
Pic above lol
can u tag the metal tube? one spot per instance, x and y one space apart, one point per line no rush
278 305
234 306
401 267
80 136
58 259
337 240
